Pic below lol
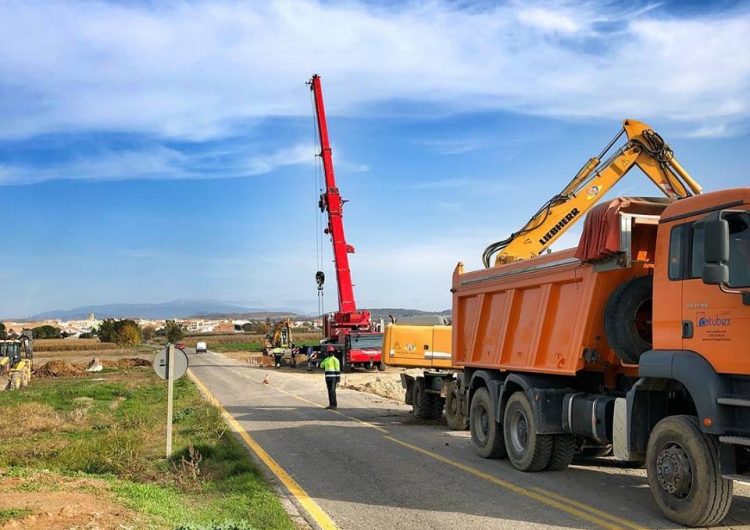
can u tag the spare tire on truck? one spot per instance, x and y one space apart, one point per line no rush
627 318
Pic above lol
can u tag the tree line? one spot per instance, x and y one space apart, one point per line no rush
125 332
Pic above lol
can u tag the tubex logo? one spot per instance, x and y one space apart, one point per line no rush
716 321
559 226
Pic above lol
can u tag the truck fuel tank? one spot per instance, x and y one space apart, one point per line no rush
589 416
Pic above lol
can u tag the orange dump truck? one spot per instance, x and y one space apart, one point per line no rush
638 339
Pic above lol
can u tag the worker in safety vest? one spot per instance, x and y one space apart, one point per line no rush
332 369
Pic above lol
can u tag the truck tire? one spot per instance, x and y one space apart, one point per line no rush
453 415
381 366
563 451
437 404
486 433
627 318
684 475
15 380
527 450
421 402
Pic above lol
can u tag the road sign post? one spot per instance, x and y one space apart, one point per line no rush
170 364
170 397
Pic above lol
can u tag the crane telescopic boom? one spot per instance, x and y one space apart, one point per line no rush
644 148
331 203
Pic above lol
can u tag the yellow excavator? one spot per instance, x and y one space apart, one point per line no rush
16 361
279 343
644 148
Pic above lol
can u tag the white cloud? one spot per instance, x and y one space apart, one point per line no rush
157 163
196 70
548 20
455 146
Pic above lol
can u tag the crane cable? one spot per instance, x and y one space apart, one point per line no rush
318 185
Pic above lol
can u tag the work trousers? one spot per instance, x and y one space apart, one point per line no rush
331 383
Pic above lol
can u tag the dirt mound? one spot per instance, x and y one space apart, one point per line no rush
48 501
58 369
389 387
129 362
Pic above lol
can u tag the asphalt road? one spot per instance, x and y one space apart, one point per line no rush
369 465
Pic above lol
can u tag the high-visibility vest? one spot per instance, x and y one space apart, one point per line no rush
331 366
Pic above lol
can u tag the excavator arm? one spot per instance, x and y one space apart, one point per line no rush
644 148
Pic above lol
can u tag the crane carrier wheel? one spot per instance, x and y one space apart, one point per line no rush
627 318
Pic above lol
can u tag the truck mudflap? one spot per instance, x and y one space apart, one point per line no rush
545 395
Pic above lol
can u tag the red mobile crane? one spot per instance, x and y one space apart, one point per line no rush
349 328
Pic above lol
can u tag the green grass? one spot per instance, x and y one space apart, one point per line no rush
8 514
113 429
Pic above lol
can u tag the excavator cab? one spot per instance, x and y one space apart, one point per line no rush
16 361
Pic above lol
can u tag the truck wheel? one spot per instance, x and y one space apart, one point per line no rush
627 318
15 380
527 450
486 433
563 451
683 472
453 415
437 404
422 406
381 366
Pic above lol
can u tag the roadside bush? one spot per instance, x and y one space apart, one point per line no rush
46 332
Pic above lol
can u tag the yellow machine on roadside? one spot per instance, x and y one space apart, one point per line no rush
421 343
280 344
16 361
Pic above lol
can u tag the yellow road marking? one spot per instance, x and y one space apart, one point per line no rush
315 511
540 497
600 513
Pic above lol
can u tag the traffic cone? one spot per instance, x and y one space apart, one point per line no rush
266 381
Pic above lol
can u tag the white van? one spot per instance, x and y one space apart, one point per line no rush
200 347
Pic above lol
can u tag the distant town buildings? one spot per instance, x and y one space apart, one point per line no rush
76 328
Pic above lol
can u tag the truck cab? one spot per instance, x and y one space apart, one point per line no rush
362 348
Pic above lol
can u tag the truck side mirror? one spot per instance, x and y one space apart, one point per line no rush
716 252
715 274
716 241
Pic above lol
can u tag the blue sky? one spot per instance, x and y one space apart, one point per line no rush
153 151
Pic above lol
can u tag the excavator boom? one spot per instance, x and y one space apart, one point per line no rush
644 148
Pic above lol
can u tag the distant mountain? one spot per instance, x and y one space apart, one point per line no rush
206 309
175 309
398 312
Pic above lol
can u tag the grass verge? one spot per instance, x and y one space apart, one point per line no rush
111 427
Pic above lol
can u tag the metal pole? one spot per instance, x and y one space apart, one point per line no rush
170 396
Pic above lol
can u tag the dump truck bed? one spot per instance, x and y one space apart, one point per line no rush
546 314
539 315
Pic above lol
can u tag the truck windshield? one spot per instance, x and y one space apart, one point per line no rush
374 341
739 249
